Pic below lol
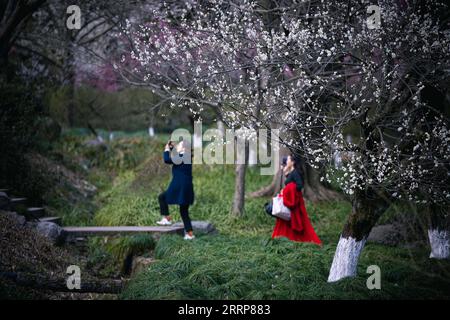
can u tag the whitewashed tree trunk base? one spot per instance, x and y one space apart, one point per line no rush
440 243
252 157
346 257
221 127
198 141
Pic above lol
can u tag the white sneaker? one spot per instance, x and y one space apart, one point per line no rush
188 237
164 222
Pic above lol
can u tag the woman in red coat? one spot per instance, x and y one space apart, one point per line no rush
299 228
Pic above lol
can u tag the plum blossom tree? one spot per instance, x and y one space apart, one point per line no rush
177 60
318 71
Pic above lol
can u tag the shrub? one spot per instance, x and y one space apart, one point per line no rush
17 131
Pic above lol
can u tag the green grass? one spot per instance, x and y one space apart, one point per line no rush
256 267
109 256
242 261
129 154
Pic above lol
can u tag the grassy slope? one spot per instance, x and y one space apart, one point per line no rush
243 262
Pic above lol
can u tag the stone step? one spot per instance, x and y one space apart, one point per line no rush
56 220
4 190
76 232
36 212
17 204
19 200
200 227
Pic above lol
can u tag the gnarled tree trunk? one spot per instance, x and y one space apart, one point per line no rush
315 190
278 179
272 189
367 207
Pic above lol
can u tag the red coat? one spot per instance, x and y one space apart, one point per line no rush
299 228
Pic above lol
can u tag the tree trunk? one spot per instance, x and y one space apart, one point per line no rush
239 187
69 81
239 190
439 231
316 191
71 99
367 207
272 189
277 182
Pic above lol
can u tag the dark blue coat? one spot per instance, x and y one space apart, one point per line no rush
181 188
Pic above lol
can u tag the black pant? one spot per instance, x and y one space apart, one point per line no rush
184 211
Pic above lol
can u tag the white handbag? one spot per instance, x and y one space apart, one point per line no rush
279 210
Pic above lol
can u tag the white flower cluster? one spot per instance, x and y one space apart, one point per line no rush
309 70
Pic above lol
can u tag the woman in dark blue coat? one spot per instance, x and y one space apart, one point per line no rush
181 188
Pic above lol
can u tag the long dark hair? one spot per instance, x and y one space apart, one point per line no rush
298 164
